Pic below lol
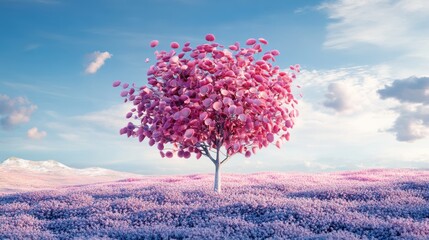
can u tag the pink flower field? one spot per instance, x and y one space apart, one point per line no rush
370 204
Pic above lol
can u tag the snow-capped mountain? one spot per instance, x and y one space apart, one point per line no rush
38 166
17 175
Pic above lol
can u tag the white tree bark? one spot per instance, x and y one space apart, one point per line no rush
217 181
204 148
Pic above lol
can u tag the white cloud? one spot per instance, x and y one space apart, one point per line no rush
34 133
346 90
15 111
412 90
71 137
365 100
97 61
340 97
360 113
412 123
111 118
385 23
399 27
37 87
322 136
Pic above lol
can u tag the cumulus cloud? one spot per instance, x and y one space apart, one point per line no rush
412 123
339 97
97 61
15 111
399 26
346 90
34 133
412 90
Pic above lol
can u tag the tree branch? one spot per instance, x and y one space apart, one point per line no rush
206 151
226 157
218 145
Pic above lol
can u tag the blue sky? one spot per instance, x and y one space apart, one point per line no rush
364 80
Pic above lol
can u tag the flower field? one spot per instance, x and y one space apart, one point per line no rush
370 204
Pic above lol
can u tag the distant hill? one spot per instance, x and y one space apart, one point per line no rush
17 175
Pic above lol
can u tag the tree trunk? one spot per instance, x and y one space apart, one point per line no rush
217 182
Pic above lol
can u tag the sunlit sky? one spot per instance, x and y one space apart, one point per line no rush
364 82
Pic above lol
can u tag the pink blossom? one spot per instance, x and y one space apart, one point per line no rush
124 93
270 137
160 146
185 112
174 45
275 52
248 154
210 37
189 133
250 41
263 41
207 102
203 116
116 83
242 117
154 43
217 105
233 47
212 98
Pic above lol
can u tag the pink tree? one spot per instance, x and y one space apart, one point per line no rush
212 101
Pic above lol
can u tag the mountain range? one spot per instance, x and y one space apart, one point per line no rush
19 175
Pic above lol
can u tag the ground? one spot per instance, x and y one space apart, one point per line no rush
370 204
